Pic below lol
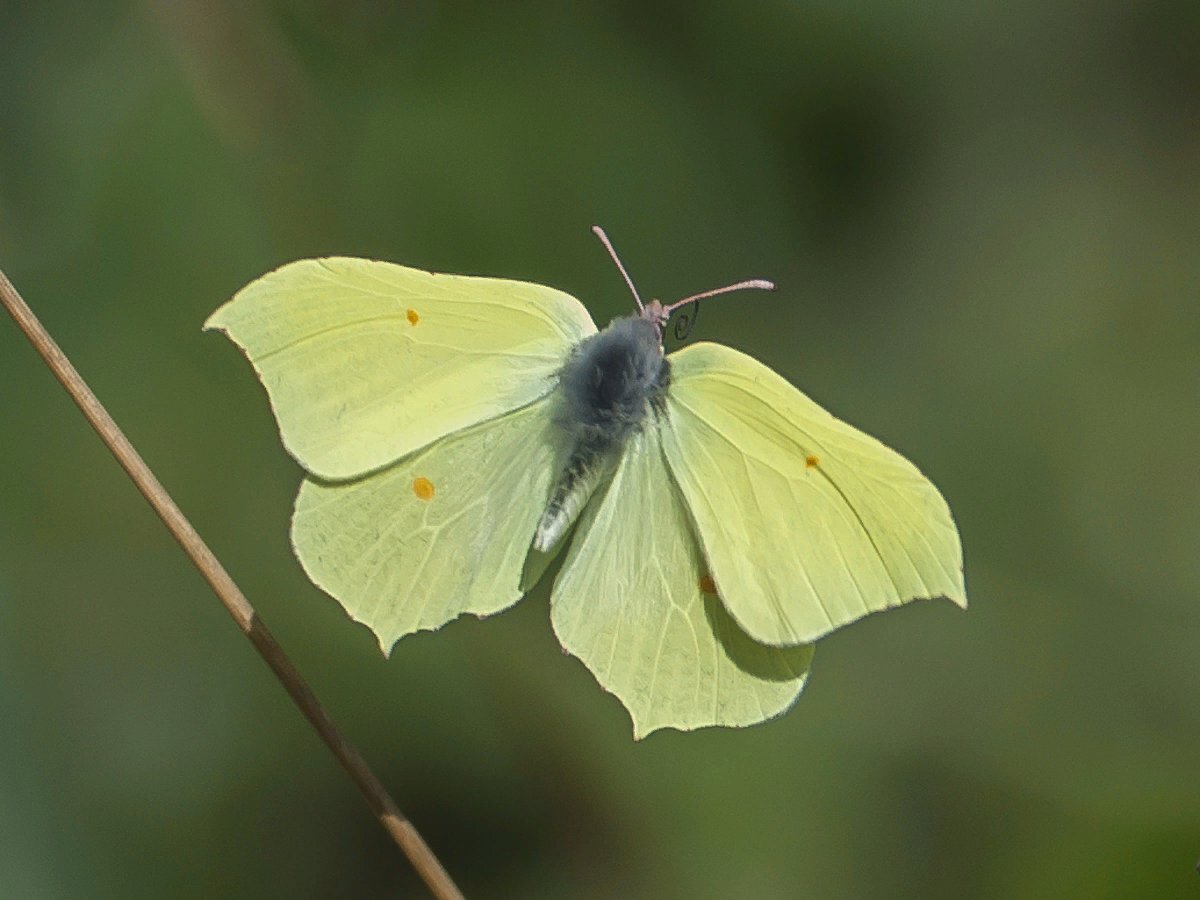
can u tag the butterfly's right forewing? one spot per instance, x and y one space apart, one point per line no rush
367 361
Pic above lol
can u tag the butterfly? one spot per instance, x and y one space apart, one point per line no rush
459 432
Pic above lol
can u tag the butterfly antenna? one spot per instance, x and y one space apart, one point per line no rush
599 232
760 284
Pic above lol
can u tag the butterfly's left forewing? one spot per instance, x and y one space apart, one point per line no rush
808 524
634 601
445 531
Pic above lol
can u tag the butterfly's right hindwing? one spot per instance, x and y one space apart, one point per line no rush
367 361
443 532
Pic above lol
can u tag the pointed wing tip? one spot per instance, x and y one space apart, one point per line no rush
225 319
958 594
216 321
385 646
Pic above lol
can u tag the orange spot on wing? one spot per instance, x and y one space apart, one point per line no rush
423 488
812 461
707 585
412 317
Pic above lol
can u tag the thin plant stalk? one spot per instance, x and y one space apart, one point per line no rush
401 830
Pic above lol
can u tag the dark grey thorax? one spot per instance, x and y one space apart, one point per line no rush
610 381
609 385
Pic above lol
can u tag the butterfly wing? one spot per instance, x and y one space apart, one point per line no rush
444 531
807 523
631 603
367 361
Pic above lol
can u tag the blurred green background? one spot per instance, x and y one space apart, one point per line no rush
985 223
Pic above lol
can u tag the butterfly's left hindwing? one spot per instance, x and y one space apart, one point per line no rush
631 603
443 532
808 524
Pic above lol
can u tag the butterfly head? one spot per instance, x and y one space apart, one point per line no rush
657 313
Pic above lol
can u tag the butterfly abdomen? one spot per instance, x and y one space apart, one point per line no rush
575 485
608 386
